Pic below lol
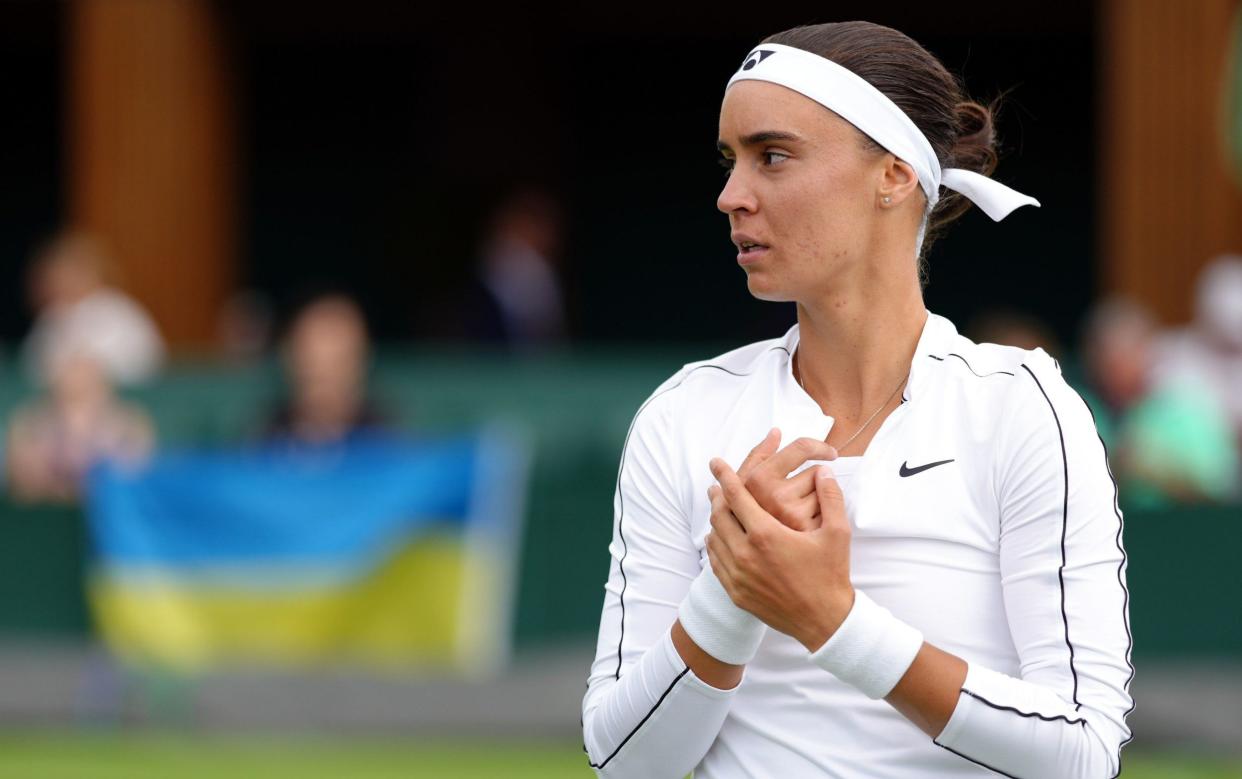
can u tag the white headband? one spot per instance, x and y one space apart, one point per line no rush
867 108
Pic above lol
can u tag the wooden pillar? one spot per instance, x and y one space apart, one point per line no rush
1168 202
152 153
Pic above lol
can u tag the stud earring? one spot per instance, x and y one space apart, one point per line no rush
887 200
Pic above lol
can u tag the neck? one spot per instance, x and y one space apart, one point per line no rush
857 340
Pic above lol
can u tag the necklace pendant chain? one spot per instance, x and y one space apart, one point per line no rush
871 418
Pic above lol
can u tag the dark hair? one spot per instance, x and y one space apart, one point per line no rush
959 129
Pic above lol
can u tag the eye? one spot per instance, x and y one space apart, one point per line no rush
727 164
774 157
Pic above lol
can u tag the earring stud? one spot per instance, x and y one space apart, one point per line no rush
887 200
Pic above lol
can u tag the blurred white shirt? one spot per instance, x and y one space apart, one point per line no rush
107 325
1185 356
1208 353
527 293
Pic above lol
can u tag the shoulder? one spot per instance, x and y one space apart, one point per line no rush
742 362
1011 373
1032 412
113 308
702 393
113 302
1006 396
986 359
723 377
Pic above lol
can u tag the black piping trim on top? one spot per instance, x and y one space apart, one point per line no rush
1034 715
639 725
1125 621
968 366
1064 530
625 548
976 762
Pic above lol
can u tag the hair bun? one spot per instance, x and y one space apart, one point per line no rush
975 148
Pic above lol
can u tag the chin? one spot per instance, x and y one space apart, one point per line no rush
763 289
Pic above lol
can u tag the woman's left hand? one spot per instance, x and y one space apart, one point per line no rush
798 582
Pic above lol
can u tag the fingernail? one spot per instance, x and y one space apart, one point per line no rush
824 472
714 465
832 453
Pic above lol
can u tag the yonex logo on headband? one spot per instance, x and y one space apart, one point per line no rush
757 56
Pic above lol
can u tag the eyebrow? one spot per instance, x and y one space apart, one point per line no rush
763 136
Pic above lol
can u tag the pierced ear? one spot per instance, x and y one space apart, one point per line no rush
898 182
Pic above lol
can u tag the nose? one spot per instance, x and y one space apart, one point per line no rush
737 194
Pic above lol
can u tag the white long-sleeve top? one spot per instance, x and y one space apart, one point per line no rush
983 513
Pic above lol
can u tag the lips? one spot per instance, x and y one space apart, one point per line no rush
750 249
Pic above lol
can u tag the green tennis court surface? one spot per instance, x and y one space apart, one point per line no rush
147 757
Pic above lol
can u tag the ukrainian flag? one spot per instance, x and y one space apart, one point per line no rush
377 551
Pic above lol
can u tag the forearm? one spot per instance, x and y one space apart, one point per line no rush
1009 725
928 692
660 717
1025 730
657 720
1016 727
721 675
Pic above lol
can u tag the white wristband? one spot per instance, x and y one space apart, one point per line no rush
871 650
714 622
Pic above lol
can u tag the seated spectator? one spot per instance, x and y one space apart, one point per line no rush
53 441
78 310
519 301
326 355
1169 441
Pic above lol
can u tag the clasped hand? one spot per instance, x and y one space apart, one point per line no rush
780 545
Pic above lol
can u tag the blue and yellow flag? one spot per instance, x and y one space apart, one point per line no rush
378 551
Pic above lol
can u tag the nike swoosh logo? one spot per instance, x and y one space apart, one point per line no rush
906 471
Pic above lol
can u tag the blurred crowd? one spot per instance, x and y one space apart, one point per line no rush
1167 403
88 337
90 342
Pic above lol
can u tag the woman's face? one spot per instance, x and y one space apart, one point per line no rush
805 186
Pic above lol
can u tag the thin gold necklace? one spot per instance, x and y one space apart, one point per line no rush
874 414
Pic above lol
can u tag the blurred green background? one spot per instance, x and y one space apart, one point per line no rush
155 758
575 407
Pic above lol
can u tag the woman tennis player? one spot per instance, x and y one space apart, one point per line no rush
947 598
